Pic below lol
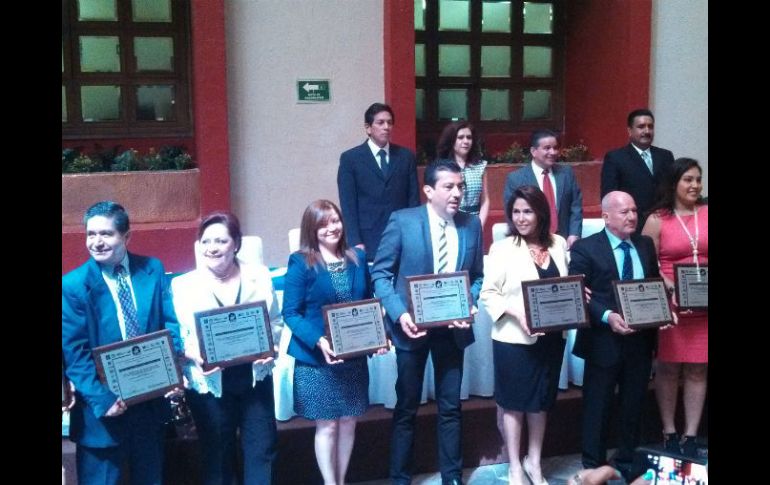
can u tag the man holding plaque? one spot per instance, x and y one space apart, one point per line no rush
430 239
614 353
114 296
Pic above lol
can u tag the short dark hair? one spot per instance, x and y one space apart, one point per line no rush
667 189
446 142
375 108
111 210
537 135
442 164
539 204
638 112
229 220
317 215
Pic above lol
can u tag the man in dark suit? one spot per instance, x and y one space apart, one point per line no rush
433 238
114 296
614 353
638 168
374 179
567 208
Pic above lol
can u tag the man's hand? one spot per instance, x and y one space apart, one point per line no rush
571 240
409 328
618 325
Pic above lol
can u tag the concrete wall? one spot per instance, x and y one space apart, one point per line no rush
679 78
284 155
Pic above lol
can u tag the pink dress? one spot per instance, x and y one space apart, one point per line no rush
688 341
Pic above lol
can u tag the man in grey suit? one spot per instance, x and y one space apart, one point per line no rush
375 179
637 168
544 172
433 238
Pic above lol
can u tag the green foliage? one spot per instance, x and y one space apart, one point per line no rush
514 154
115 160
574 153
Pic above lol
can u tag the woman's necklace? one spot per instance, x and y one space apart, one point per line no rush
539 255
693 239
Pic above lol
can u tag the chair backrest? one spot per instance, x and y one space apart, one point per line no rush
293 239
251 250
499 230
592 226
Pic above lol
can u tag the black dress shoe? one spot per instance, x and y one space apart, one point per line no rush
671 443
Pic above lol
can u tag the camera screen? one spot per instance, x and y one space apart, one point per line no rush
671 470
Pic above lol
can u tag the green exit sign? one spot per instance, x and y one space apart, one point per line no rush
313 91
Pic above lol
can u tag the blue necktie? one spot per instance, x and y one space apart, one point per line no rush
383 161
647 160
628 267
127 306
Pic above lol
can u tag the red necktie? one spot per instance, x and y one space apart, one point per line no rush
548 191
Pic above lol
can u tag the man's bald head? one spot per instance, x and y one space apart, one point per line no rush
619 214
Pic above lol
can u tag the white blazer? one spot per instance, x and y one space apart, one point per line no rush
191 294
506 266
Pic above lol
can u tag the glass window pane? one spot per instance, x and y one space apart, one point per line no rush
99 54
419 60
537 104
454 60
495 61
454 15
100 103
453 104
538 18
537 61
419 14
154 53
496 16
151 10
100 10
155 103
495 105
63 104
419 103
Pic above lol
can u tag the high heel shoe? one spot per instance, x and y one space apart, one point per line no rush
671 442
525 465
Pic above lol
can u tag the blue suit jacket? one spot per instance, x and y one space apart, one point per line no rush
367 197
306 291
594 258
623 169
406 250
569 203
89 319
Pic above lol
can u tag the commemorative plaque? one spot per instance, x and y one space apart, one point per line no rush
555 303
234 335
643 303
439 299
355 328
692 286
141 368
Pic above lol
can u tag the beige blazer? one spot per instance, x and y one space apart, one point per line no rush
506 266
191 294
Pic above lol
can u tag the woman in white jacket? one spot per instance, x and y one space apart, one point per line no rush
527 364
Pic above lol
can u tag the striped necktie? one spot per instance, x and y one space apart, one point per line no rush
443 257
127 306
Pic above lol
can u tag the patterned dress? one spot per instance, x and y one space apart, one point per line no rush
687 341
333 391
473 174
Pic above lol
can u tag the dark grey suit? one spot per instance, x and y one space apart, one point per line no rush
406 250
569 199
368 197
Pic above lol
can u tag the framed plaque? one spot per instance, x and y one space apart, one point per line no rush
437 300
355 328
234 334
65 389
141 368
555 303
692 286
643 303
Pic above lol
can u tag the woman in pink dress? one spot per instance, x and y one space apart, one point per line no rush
678 225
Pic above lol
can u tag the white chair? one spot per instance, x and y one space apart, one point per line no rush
499 230
592 226
251 250
294 240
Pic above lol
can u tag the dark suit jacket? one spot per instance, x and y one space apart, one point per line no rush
90 319
367 197
306 291
406 250
594 258
623 169
569 203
